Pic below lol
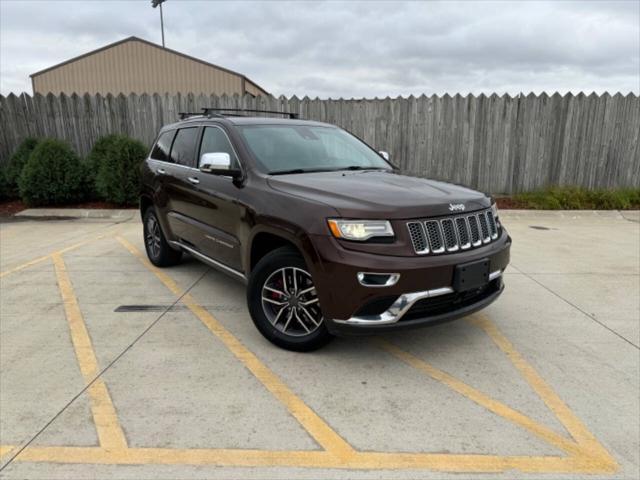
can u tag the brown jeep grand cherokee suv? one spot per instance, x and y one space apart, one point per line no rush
328 236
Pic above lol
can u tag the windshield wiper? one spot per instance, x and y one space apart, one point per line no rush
359 167
301 170
315 170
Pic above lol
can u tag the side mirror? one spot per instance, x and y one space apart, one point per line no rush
218 163
385 155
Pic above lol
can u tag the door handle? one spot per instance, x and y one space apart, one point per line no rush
161 171
193 180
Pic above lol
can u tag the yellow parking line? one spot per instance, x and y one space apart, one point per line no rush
46 257
315 425
480 398
564 414
108 427
313 459
585 457
4 449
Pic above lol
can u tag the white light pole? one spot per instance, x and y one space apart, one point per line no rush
154 4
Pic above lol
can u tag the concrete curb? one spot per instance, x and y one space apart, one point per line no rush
71 213
617 214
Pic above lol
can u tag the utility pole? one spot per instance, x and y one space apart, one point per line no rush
154 4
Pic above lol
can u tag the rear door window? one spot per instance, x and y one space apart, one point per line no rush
184 146
163 145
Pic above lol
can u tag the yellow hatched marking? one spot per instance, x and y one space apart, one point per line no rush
586 457
570 421
314 459
480 398
315 425
108 427
4 449
50 255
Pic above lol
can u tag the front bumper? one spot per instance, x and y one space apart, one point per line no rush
345 302
394 318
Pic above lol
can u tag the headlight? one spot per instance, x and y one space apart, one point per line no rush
360 230
494 210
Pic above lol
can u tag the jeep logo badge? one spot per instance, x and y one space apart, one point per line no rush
455 207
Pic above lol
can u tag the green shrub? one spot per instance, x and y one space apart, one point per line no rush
52 175
576 198
4 185
11 173
116 160
98 153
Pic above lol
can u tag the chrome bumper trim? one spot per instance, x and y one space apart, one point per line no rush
392 279
402 305
494 275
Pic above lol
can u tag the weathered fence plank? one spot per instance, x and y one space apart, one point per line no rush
500 144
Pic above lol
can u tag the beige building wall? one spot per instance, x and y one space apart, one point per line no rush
253 89
137 66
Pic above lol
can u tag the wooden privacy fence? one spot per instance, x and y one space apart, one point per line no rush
499 144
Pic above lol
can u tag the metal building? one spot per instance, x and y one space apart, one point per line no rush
137 66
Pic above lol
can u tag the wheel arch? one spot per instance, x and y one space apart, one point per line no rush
265 239
145 202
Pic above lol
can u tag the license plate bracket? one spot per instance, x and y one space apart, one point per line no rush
472 275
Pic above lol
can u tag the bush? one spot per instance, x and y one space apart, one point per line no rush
116 160
4 185
98 154
11 173
576 198
52 175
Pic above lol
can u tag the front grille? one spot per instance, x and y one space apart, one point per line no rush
450 234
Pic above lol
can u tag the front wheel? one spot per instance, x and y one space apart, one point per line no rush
284 304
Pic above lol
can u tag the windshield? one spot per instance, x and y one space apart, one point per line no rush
301 148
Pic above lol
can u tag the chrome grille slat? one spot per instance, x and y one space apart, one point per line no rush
434 235
418 237
475 230
484 228
493 229
449 235
463 233
453 233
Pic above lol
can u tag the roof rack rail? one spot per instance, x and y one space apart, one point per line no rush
211 111
185 115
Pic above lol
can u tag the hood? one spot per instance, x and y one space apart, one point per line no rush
380 195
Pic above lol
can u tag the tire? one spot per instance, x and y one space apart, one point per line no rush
158 249
292 321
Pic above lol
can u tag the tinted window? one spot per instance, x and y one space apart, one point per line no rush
182 151
286 147
162 147
214 140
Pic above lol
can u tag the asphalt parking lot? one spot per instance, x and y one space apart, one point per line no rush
111 368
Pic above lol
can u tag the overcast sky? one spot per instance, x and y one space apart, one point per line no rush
350 49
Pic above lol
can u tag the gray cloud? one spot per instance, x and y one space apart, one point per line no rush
351 49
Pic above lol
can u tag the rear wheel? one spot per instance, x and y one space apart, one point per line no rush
284 304
158 250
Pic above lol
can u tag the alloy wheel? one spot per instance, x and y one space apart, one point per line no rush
290 302
152 236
